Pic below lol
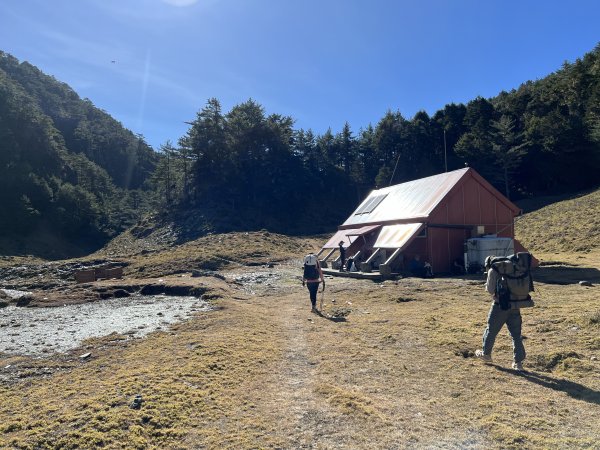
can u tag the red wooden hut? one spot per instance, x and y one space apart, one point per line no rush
431 217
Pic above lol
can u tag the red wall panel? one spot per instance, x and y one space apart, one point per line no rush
471 193
454 204
487 204
440 215
469 204
438 248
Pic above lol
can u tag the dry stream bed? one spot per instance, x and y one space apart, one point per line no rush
40 331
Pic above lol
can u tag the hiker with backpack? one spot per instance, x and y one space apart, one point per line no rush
312 276
509 283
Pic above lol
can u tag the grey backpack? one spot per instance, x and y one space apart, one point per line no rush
515 281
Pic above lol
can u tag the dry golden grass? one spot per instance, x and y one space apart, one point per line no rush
261 371
213 252
565 226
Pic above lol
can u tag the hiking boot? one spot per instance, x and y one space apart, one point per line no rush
479 354
518 366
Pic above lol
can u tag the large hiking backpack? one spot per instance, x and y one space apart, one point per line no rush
503 293
310 267
514 280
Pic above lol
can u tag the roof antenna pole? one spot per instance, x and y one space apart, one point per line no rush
445 154
394 172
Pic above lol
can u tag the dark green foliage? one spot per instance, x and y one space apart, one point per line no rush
543 137
71 167
257 170
66 168
83 127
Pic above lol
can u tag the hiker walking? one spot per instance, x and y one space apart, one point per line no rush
342 256
313 275
509 283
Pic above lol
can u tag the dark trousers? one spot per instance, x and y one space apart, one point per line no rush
313 287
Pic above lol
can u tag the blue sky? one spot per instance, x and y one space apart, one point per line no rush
322 62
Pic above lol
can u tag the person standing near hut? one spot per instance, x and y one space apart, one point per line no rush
313 275
342 256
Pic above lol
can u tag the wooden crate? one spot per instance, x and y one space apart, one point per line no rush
85 276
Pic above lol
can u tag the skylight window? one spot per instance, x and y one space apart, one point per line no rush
370 205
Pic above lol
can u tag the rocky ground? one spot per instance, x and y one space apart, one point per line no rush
43 331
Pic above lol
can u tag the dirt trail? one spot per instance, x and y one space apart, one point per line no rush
288 394
392 375
295 378
331 383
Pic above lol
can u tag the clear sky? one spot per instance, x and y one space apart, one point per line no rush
152 64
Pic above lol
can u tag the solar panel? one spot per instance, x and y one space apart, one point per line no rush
376 201
370 205
362 209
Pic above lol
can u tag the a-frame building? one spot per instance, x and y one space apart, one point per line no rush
431 217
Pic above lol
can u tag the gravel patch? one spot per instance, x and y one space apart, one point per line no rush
36 331
252 282
13 293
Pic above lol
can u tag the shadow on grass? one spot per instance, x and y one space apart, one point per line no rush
563 274
572 389
554 273
331 318
533 204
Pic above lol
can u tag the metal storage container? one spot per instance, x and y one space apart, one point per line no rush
477 249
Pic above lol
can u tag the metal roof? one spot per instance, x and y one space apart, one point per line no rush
341 235
412 200
362 230
349 235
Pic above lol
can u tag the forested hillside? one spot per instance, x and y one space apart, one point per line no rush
68 169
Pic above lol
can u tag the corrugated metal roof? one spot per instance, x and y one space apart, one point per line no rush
405 201
397 236
362 230
341 235
349 235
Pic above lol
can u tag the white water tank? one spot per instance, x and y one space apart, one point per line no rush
477 249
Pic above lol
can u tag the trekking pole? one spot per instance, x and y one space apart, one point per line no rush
322 299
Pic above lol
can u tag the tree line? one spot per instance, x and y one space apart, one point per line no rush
541 138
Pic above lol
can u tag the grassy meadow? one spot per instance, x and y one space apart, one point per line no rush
261 371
